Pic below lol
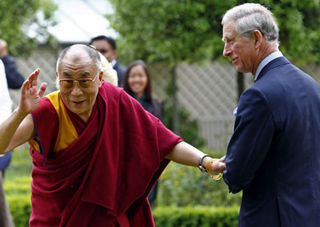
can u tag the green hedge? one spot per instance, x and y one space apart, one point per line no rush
183 186
163 216
203 216
19 198
20 207
196 216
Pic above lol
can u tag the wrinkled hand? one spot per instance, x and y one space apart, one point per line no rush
30 96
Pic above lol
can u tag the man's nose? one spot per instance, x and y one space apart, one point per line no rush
226 50
76 90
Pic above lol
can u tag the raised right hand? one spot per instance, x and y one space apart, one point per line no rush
30 96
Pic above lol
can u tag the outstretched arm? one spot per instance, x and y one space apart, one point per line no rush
186 154
19 127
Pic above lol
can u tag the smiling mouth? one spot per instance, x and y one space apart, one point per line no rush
78 102
136 86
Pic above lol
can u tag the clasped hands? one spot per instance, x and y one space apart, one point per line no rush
214 165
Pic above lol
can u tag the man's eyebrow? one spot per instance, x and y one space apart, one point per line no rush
85 74
66 74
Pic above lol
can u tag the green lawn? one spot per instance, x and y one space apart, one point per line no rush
21 164
17 185
18 176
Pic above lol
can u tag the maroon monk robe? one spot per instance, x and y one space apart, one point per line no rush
103 178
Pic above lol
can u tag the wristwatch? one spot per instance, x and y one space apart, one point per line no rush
200 166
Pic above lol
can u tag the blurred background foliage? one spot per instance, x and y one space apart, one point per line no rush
186 186
190 30
17 185
170 31
24 23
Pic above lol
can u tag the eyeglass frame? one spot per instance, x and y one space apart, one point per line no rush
80 79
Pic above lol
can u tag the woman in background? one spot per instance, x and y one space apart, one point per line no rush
137 83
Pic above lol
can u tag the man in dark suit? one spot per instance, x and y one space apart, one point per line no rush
274 153
108 48
14 78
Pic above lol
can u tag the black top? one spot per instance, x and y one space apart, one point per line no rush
14 77
154 106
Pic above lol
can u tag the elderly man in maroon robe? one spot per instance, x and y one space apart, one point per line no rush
96 153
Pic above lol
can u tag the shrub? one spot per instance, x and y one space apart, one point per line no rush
18 185
196 216
18 196
20 207
188 127
187 186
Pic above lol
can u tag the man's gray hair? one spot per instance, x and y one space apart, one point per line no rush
252 16
90 50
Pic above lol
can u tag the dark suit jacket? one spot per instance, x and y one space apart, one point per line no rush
120 71
14 77
274 153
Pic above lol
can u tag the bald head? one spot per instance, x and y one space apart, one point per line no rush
78 52
3 43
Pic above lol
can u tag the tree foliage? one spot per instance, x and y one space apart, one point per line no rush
19 16
175 31
299 29
190 30
168 30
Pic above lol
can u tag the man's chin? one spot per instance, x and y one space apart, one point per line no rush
76 109
241 70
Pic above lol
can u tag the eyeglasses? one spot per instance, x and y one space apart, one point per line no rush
68 83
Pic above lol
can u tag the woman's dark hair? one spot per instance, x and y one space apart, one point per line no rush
126 86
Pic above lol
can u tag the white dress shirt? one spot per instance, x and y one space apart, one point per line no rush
5 100
266 60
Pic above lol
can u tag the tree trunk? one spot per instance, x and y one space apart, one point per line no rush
175 119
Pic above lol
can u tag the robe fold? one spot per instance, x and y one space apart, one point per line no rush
97 173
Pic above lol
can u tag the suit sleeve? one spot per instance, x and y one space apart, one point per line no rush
14 77
250 143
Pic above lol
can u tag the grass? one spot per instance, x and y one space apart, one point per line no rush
21 163
18 175
17 185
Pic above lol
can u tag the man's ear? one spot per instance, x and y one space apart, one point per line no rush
100 78
115 53
258 38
